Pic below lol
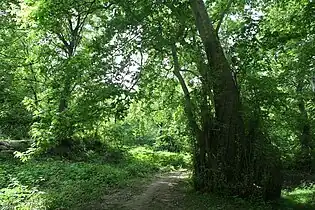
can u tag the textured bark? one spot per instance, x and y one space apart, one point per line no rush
230 135
230 167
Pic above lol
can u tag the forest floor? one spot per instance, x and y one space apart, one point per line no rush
173 191
160 192
142 179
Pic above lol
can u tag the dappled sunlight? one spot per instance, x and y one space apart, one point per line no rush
141 104
18 196
301 195
180 174
77 184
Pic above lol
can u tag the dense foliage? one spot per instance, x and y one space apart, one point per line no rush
229 84
64 184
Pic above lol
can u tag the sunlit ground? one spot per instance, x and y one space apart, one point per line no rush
61 184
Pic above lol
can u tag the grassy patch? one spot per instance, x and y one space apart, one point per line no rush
196 200
62 184
51 183
302 197
161 159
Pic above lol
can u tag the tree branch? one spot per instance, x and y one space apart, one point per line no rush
188 104
190 71
61 38
228 6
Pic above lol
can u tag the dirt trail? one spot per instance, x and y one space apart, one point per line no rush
160 194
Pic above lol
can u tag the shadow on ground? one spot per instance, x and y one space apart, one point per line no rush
180 195
83 183
101 184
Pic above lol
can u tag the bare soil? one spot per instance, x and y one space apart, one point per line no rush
161 192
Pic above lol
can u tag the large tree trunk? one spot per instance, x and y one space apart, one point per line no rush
230 129
230 168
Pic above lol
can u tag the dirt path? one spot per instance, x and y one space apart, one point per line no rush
160 194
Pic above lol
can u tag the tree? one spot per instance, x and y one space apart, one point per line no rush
245 76
230 163
15 120
224 153
294 56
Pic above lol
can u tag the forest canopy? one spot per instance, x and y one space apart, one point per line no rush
230 83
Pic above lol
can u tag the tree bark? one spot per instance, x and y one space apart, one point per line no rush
233 167
226 97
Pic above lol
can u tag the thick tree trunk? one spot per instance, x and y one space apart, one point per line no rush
230 168
230 135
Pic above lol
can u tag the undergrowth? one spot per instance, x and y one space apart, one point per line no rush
59 183
62 184
299 198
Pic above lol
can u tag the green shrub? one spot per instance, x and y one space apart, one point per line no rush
17 196
161 158
168 143
303 195
69 184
